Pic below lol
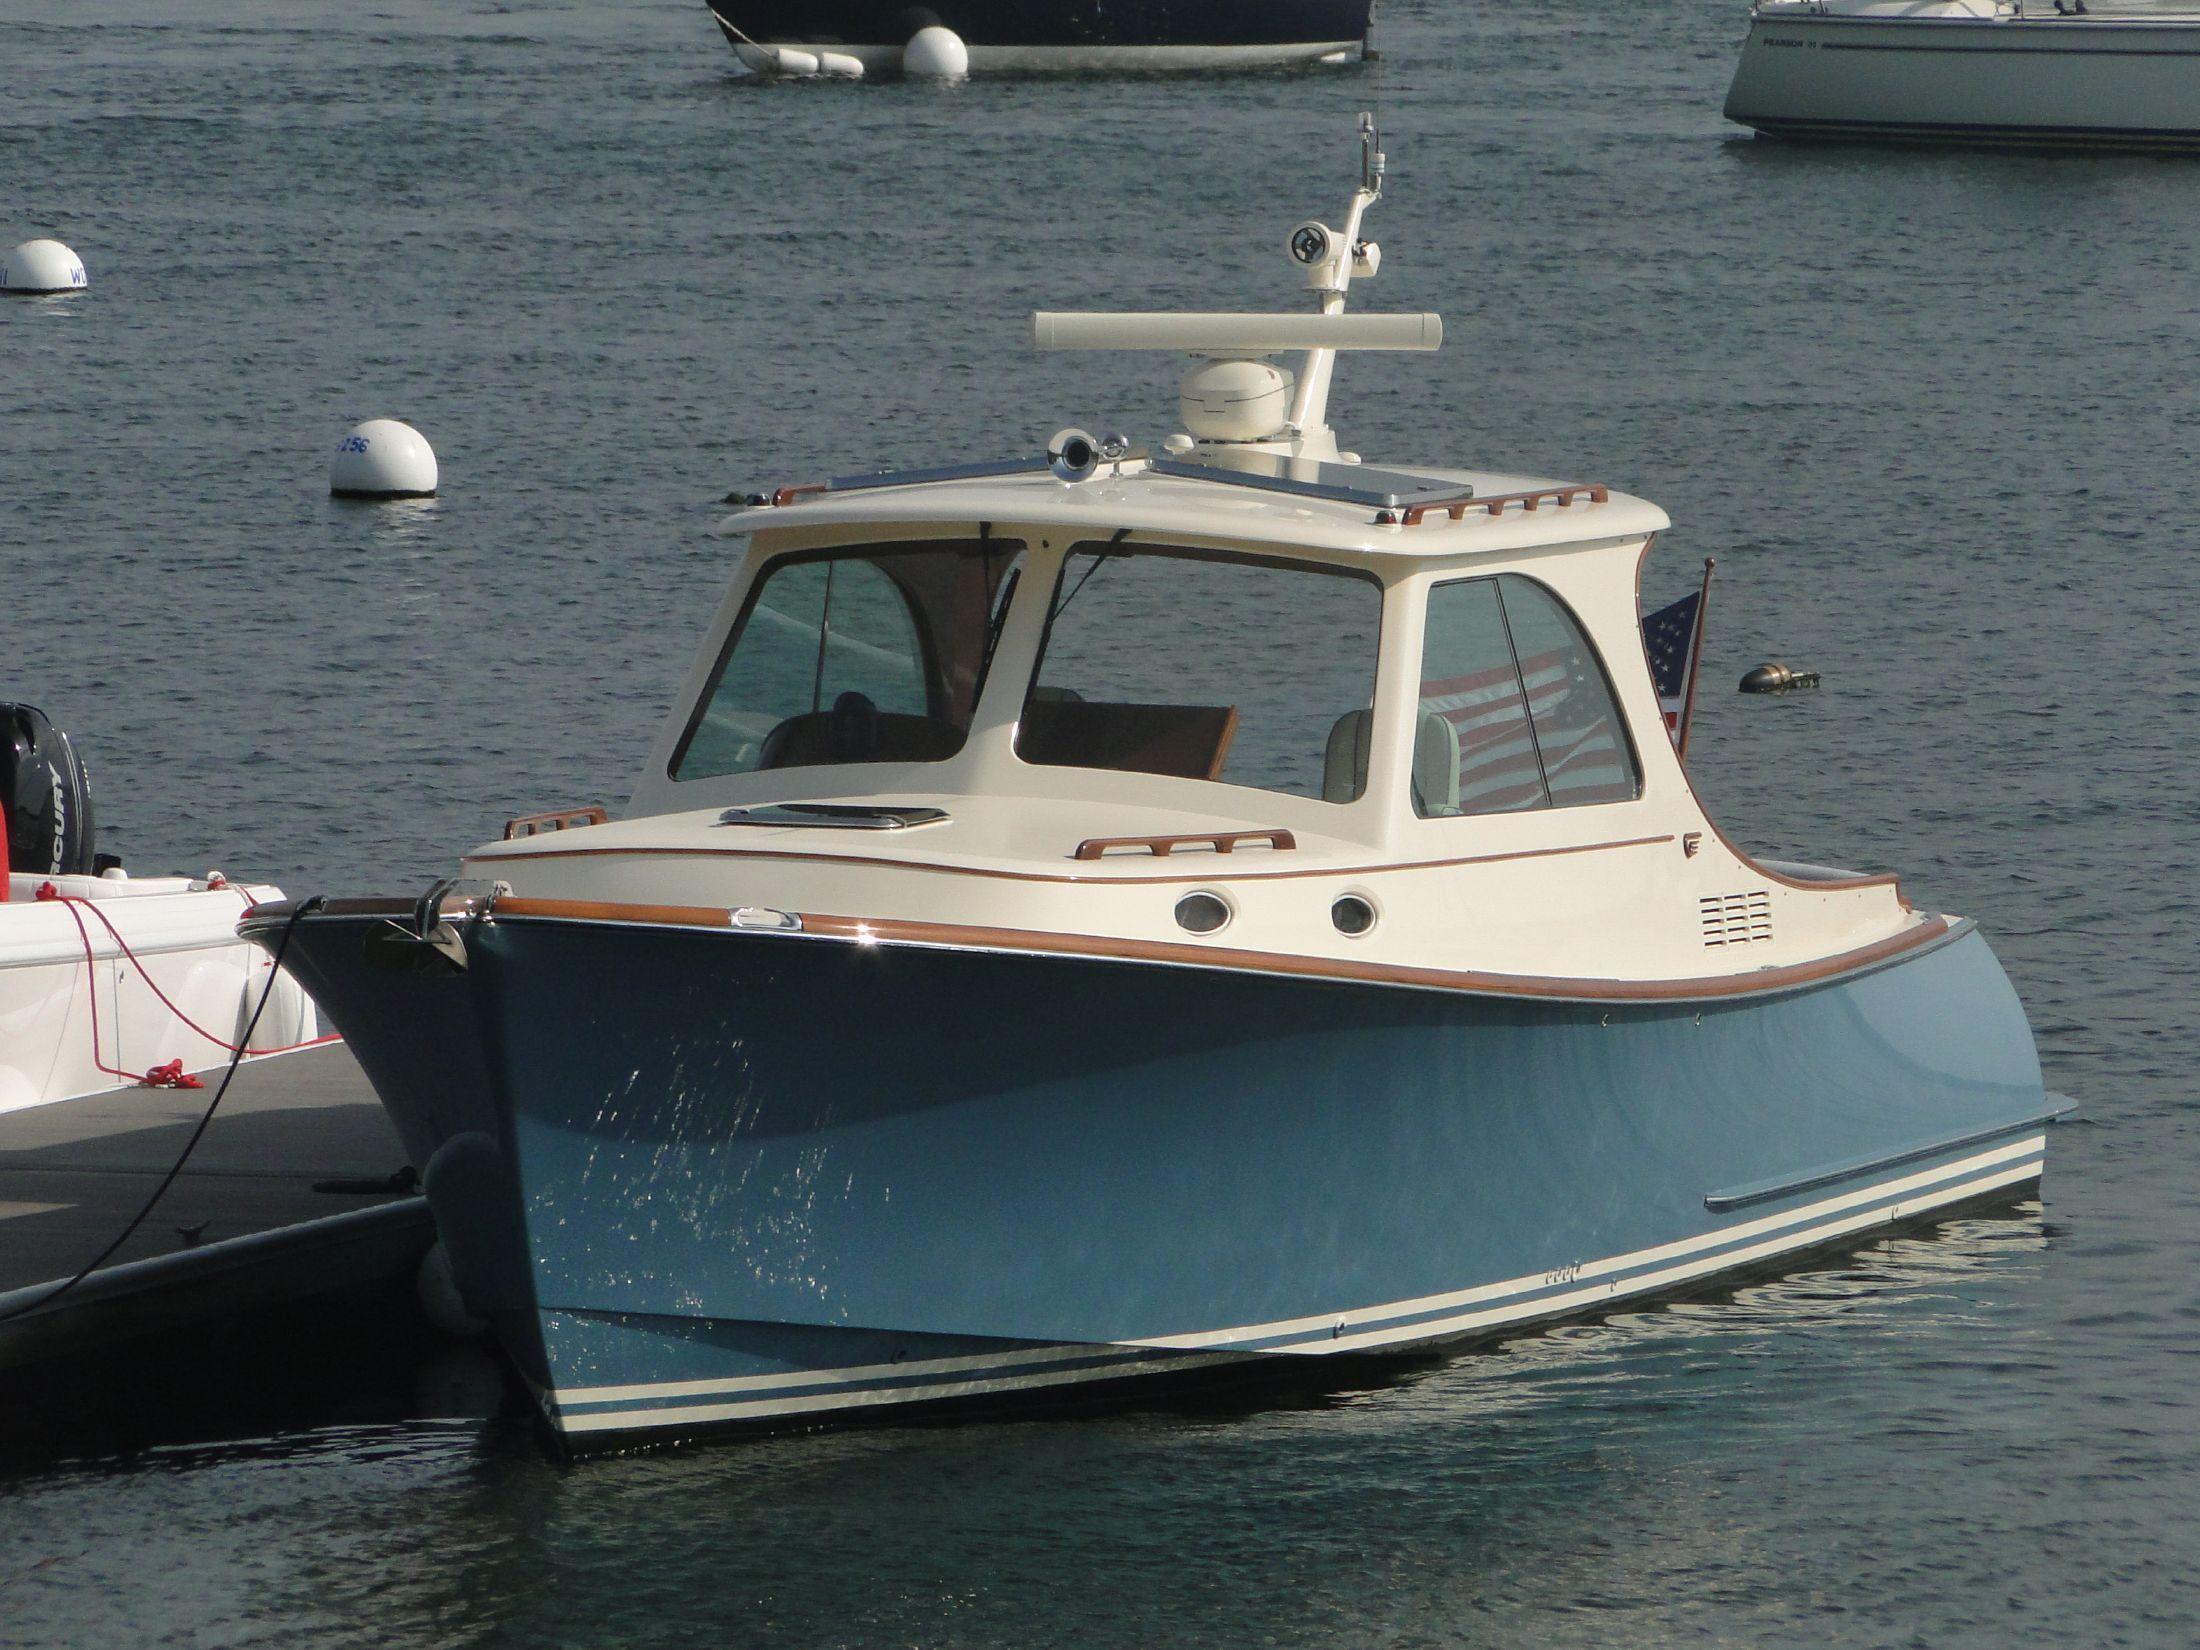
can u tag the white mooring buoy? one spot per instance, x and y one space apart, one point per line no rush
42 266
382 458
935 53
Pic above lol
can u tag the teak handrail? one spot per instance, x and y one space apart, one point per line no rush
557 819
1458 507
1161 847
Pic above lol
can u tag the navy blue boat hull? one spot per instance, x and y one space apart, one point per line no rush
1077 27
702 1176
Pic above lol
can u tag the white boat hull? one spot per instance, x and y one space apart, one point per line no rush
2121 82
182 945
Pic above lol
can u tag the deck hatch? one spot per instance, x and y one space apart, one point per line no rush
845 816
1736 919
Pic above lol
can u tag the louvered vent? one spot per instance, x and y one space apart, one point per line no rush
1736 919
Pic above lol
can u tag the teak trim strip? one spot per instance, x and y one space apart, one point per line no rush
1347 872
894 931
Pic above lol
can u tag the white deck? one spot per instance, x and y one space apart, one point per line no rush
55 975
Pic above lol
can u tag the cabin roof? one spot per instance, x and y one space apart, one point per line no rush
1454 512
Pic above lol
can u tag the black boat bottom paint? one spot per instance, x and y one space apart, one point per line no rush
1999 137
1015 35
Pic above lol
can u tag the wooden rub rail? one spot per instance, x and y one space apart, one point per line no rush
1458 507
1161 847
1917 939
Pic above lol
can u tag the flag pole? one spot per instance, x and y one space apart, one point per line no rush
1695 656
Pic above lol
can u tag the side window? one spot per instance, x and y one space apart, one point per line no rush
1515 709
1473 750
1578 731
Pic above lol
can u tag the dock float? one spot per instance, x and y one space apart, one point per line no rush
295 1191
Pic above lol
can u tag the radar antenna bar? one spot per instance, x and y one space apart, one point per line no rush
1227 333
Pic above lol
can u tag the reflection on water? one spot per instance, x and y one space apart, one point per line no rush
1414 1506
48 306
1725 1344
404 526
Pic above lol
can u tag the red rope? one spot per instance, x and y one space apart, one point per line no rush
170 1074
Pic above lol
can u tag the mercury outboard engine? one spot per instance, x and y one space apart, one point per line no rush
45 795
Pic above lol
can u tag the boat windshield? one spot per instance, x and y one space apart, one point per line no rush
1205 666
865 655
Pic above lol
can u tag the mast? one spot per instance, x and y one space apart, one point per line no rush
1232 399
1331 260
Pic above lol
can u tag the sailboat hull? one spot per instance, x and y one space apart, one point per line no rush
2096 82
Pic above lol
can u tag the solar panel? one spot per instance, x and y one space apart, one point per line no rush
942 472
1265 472
1304 478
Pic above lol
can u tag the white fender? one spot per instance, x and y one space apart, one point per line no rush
785 60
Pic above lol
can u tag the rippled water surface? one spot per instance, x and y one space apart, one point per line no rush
1934 414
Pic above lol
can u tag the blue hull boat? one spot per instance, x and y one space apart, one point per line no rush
1118 916
706 1176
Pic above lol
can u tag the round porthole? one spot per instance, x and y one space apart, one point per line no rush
1353 915
1201 913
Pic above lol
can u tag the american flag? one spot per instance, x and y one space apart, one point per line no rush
1669 638
1582 756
